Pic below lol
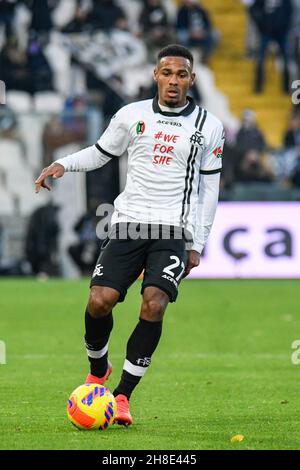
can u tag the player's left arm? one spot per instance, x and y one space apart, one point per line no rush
208 194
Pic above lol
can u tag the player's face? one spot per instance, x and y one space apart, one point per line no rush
174 77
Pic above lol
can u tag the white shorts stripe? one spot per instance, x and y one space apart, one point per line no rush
97 354
134 370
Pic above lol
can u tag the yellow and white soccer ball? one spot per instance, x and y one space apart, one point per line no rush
91 406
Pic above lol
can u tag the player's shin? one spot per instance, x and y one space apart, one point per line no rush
97 332
140 347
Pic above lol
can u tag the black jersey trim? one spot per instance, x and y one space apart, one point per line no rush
210 172
203 120
190 186
198 117
185 112
186 188
192 176
110 155
190 171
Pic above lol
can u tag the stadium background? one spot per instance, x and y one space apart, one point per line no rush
68 65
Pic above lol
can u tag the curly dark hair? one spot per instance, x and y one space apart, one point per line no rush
175 50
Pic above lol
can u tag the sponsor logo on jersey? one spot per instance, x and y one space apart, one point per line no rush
218 152
169 123
197 139
140 127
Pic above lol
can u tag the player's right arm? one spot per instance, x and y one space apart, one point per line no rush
86 159
112 144
56 170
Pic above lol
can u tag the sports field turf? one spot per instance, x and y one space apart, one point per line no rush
223 367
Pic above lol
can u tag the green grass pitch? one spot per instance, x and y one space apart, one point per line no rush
223 367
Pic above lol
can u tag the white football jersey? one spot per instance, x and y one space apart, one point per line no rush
170 155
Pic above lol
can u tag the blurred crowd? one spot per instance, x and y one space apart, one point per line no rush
273 23
248 159
74 47
28 28
98 54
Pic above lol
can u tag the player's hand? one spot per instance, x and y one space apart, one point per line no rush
193 261
56 170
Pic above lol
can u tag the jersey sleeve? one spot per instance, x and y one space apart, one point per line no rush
211 161
86 159
206 209
115 139
211 165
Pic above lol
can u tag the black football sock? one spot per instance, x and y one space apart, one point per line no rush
97 332
140 347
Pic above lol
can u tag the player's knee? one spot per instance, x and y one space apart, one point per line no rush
99 306
101 302
152 309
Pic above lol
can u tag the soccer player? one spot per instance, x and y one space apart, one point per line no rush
161 220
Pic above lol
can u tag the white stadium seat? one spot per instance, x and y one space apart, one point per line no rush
64 13
19 101
59 58
48 102
11 154
19 181
7 206
31 128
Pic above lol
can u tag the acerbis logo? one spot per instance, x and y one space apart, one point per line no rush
169 123
140 127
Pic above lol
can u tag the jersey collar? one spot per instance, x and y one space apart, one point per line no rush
185 112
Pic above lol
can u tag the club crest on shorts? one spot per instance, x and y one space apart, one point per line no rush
97 270
140 127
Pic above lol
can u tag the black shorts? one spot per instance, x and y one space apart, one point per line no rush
121 261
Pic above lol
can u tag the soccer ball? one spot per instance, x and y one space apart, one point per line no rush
91 406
